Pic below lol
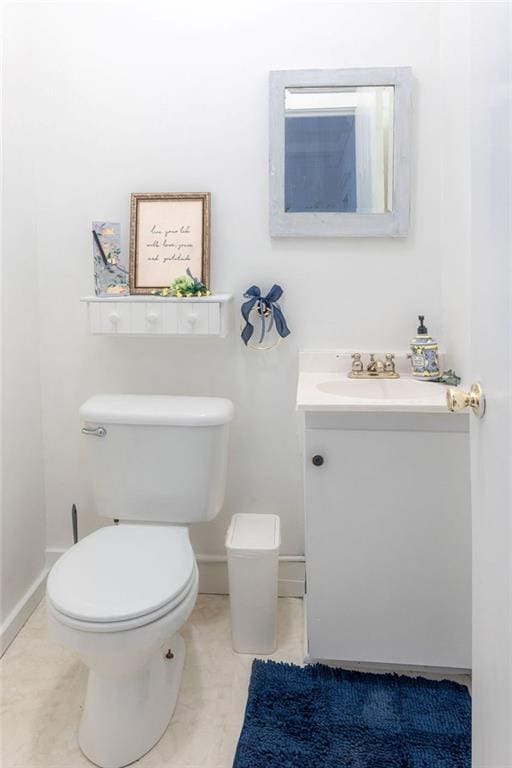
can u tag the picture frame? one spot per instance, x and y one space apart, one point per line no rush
169 233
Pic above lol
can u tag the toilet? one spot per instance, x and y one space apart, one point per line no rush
119 597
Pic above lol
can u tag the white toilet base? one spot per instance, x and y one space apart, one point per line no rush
124 717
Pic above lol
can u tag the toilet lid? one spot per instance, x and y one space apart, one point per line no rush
122 572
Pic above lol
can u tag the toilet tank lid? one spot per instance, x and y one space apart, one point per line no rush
157 410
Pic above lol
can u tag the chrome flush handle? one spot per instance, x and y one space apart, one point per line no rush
96 432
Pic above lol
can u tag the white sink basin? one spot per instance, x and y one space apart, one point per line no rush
321 391
324 385
377 389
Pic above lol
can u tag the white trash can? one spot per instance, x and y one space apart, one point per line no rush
252 543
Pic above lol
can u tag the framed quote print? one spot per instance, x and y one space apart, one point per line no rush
169 233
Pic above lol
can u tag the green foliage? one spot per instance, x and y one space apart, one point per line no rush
188 285
449 377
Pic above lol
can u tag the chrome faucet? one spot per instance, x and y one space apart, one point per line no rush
375 366
382 369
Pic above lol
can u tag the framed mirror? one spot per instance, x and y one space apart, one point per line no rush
340 152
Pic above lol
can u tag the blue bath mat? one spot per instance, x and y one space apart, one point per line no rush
320 717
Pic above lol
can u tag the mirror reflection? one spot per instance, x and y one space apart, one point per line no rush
339 149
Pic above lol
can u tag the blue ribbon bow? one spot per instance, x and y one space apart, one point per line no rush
266 305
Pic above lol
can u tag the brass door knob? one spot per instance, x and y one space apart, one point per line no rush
458 400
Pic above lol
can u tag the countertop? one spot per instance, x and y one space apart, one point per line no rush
324 385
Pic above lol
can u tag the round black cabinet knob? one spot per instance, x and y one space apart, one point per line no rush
317 460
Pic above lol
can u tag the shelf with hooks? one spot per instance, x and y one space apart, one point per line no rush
143 315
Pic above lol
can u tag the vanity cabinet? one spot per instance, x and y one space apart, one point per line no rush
388 538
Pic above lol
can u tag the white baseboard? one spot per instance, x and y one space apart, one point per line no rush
52 555
213 573
22 611
213 576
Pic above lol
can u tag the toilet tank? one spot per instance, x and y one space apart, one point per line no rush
157 458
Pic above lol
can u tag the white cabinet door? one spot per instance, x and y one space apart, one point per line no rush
388 549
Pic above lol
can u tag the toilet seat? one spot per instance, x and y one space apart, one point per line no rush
137 622
122 576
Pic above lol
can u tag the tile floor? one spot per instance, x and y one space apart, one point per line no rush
43 688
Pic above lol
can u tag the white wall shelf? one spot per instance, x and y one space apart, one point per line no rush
159 315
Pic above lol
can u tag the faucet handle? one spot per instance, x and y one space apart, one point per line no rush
389 365
357 365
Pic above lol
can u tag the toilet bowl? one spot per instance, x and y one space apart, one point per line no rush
133 679
119 597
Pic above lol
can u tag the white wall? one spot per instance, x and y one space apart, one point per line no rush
162 97
23 511
455 187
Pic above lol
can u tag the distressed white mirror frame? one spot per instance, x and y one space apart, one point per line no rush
329 224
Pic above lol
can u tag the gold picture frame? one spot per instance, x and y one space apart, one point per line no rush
169 233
